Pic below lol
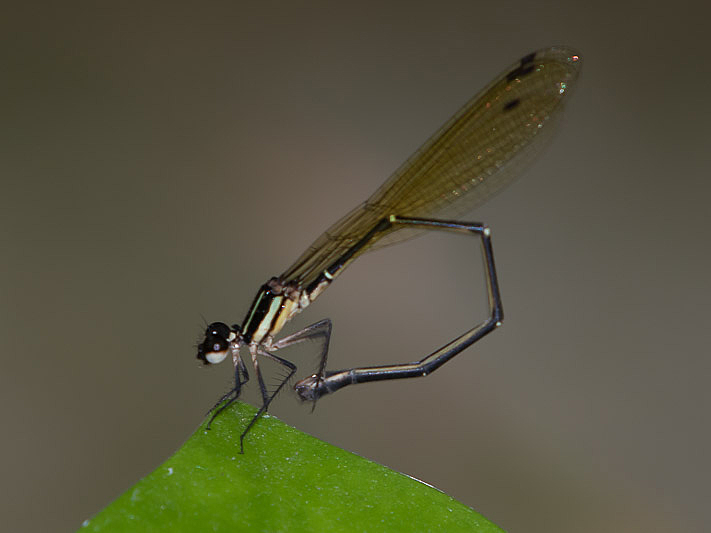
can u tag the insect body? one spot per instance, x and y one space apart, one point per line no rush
472 156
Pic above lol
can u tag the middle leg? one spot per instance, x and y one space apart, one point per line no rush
267 399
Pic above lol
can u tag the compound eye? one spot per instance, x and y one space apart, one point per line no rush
218 329
214 348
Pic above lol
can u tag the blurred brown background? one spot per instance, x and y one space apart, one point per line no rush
160 161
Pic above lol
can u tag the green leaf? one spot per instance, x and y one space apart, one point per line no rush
285 481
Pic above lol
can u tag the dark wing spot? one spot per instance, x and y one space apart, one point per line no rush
525 67
508 106
528 59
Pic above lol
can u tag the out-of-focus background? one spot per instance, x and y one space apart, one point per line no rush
160 161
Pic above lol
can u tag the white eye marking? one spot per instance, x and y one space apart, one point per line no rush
216 357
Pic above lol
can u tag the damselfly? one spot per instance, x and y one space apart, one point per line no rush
472 156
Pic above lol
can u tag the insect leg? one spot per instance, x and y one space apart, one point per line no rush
267 399
321 330
241 377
